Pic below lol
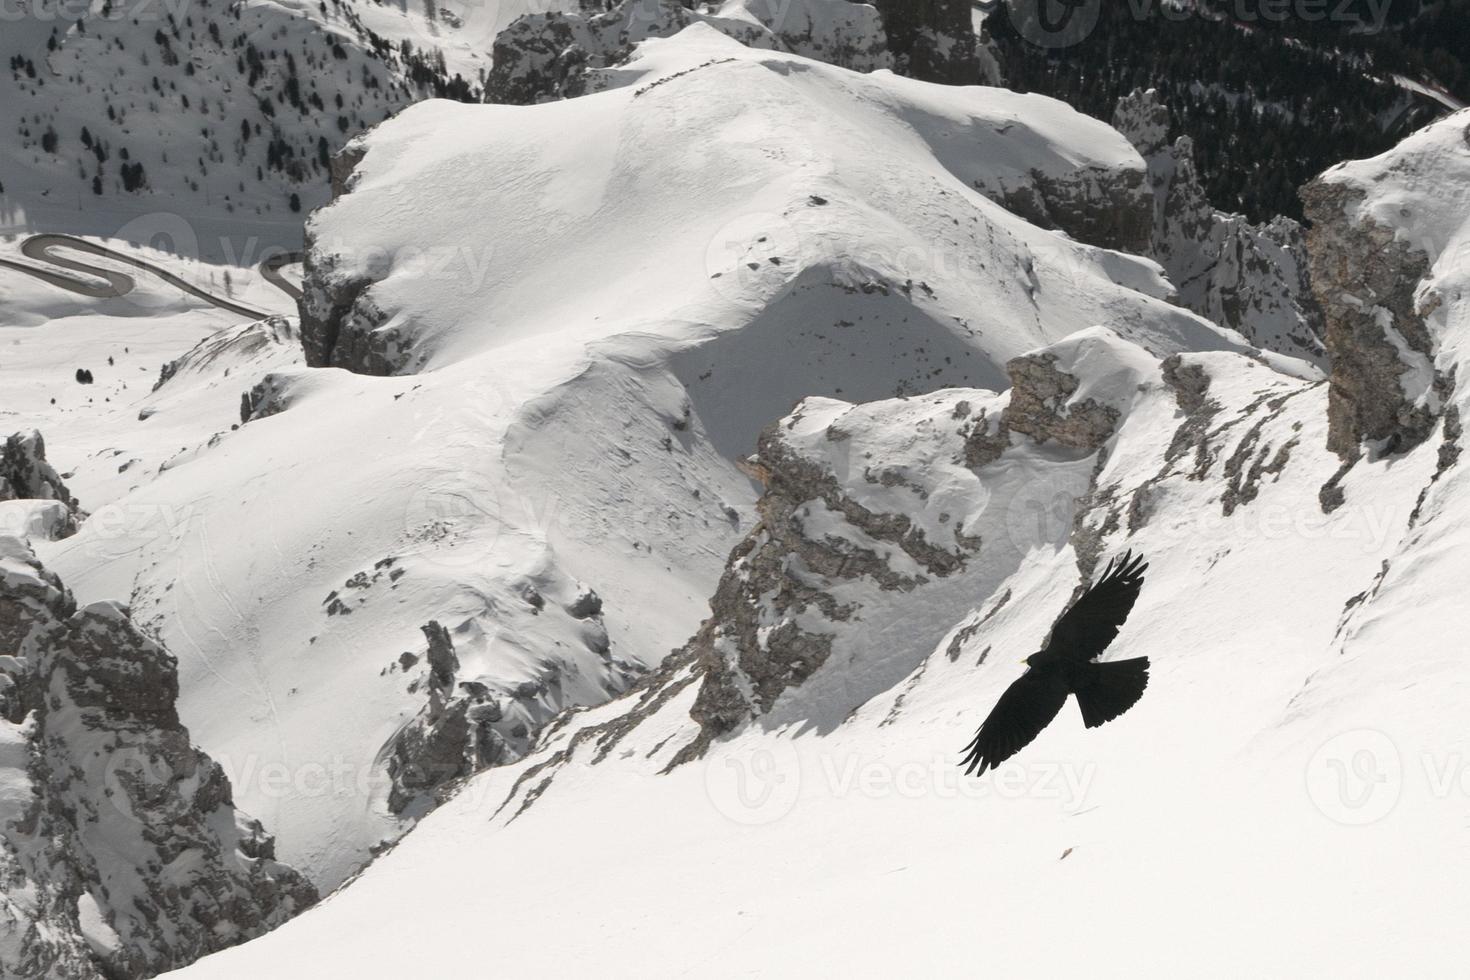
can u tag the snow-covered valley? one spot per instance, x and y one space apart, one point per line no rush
655 486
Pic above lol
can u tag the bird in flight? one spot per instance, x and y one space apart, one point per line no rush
1104 690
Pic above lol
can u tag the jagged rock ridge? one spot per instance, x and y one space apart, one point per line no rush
1252 278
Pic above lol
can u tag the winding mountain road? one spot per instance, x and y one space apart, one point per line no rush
42 248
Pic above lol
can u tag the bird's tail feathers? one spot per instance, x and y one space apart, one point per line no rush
1111 689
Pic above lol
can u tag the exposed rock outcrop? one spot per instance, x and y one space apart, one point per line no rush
1383 389
1109 208
25 473
1043 406
124 856
52 512
787 589
470 721
1248 277
342 166
268 396
340 324
442 744
764 634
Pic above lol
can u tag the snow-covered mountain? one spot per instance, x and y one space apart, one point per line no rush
228 112
658 486
553 476
781 795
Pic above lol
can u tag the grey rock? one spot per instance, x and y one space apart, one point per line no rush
343 166
753 647
450 738
1038 409
587 604
1109 208
443 664
1377 337
341 326
269 396
125 814
430 753
25 473
1251 278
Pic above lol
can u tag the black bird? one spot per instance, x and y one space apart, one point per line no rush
1104 691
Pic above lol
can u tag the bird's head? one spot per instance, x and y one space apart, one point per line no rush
1027 660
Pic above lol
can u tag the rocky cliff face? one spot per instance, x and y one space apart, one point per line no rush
122 853
1248 277
1385 392
25 473
452 737
1106 207
48 508
776 604
340 324
472 718
854 520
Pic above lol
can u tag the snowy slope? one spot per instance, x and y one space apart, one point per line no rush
1288 797
588 377
1205 827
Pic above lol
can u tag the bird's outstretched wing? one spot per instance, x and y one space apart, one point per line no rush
1027 706
1086 629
